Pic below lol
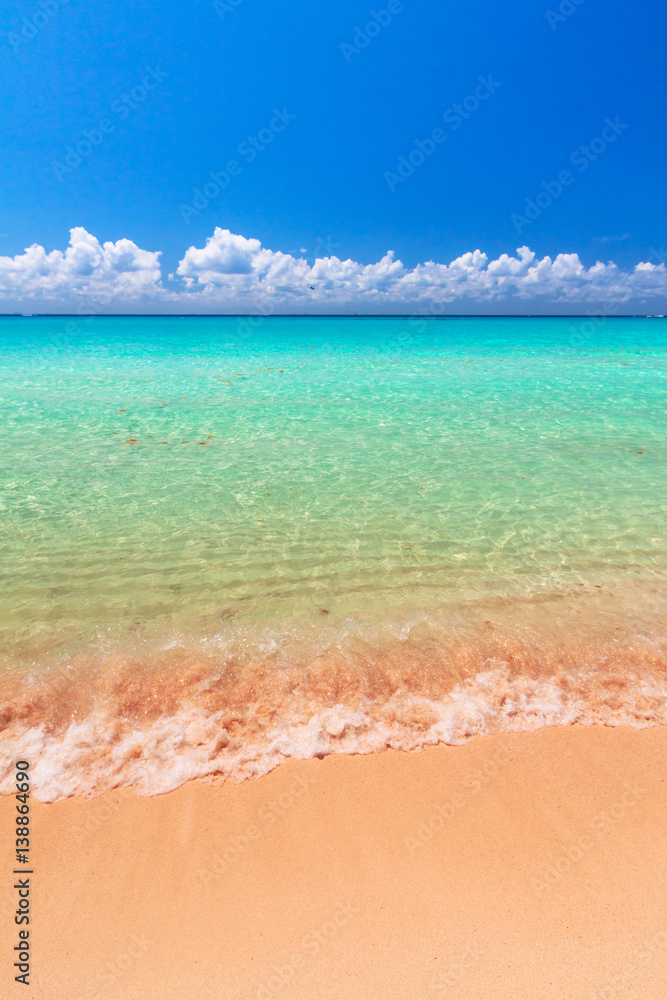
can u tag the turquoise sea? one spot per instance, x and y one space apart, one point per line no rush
217 530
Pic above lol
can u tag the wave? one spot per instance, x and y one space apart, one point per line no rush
235 705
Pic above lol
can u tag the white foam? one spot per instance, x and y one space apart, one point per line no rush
92 756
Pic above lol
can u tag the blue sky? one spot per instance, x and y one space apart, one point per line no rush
323 186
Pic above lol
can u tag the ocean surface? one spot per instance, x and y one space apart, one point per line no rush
226 541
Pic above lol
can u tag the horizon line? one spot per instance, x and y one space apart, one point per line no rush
98 315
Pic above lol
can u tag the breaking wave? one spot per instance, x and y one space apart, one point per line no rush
238 703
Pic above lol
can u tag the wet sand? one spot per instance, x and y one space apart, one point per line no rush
519 866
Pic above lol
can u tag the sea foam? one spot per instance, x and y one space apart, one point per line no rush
190 711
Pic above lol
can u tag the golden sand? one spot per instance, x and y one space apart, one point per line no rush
528 866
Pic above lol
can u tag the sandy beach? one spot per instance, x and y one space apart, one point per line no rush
517 866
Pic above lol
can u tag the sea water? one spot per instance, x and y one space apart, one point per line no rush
227 540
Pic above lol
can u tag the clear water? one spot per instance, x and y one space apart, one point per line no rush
177 477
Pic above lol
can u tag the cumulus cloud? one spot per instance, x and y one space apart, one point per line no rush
243 269
86 269
232 273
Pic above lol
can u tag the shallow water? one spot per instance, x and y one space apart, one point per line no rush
212 497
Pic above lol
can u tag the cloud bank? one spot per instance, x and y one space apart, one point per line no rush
110 271
233 274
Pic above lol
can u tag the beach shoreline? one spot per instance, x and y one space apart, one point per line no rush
518 865
240 703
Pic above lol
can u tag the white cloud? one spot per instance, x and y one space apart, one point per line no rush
232 273
119 271
240 270
242 267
